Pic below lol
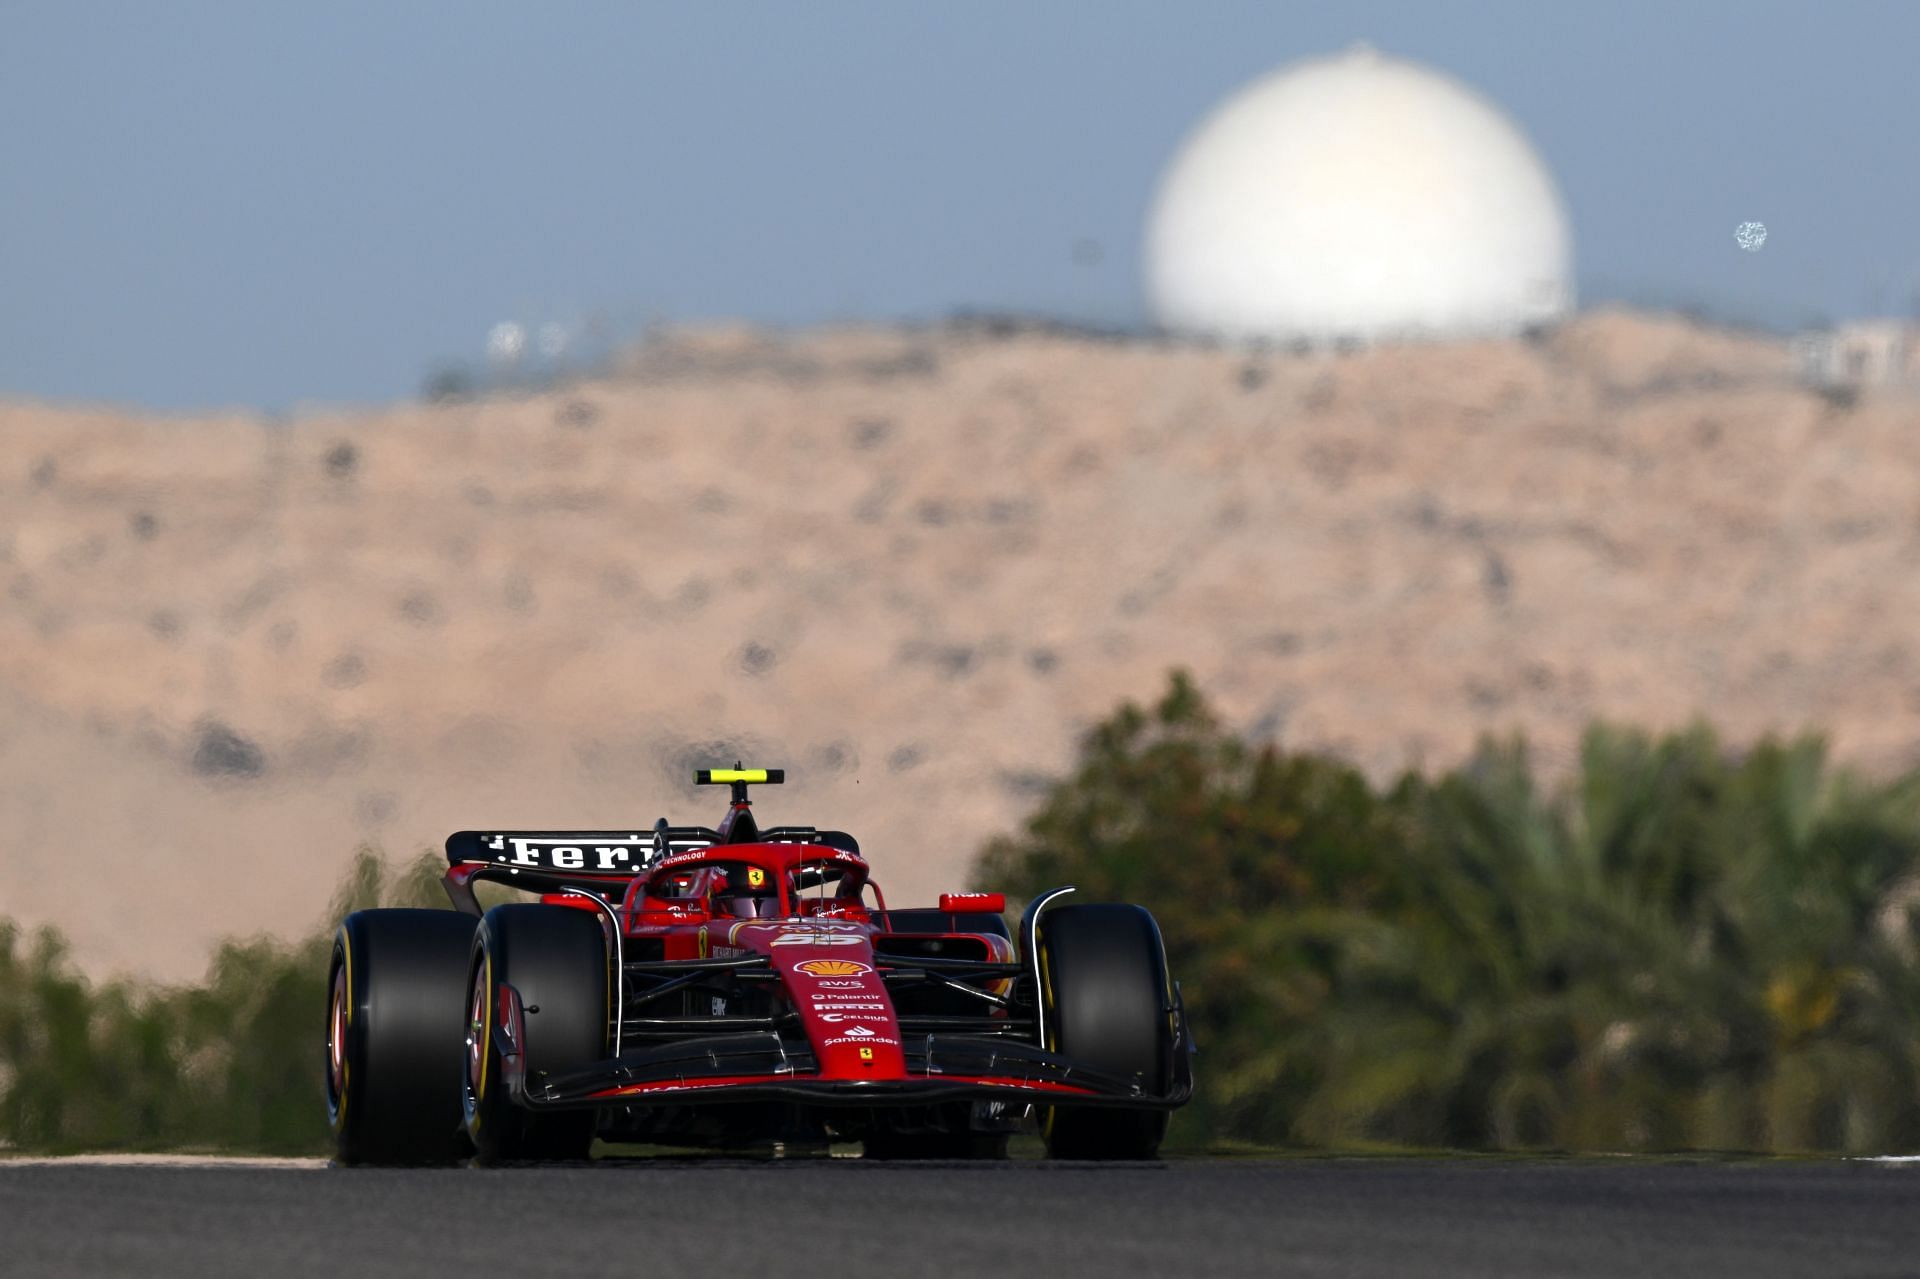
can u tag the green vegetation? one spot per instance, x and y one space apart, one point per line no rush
1679 947
231 1064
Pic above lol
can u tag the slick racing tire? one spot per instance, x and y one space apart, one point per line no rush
555 957
1107 999
397 995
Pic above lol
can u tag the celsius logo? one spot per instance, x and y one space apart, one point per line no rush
833 968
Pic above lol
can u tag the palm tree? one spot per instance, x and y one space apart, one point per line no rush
1679 948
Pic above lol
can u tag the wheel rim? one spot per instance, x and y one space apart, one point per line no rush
339 1014
477 1035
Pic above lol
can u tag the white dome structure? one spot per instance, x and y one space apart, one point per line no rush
1357 198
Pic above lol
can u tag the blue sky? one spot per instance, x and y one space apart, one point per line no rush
207 204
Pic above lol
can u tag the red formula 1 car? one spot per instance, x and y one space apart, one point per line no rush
741 987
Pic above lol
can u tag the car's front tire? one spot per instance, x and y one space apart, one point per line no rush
555 958
396 995
1107 1000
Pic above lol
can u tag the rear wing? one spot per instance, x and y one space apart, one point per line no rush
836 839
602 862
548 861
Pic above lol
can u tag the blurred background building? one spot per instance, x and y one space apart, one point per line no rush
1864 353
1353 199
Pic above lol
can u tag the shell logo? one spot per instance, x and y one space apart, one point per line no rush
833 968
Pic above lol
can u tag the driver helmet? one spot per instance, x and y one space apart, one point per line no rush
748 892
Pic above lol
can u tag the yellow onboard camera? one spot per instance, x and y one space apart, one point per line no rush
739 776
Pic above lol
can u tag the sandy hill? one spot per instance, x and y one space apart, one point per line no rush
911 567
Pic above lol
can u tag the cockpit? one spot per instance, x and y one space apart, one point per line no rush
738 889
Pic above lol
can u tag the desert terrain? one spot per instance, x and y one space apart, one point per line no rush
911 566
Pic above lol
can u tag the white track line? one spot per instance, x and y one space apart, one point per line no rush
155 1161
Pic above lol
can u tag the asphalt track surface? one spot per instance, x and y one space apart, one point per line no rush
1360 1217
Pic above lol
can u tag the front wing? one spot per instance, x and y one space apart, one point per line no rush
761 1066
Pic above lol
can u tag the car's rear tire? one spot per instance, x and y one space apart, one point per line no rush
396 999
1106 994
555 957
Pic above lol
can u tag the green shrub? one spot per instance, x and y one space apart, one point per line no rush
1679 948
231 1064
